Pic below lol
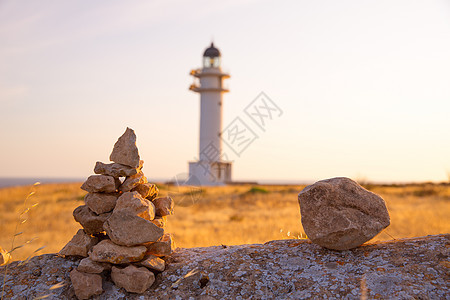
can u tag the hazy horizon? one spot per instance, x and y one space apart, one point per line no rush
363 86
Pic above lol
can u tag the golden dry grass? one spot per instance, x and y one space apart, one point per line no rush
215 215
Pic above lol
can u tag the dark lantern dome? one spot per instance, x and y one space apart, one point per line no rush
211 52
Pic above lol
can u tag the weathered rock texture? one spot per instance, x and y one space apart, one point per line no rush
129 230
125 151
108 252
164 206
163 247
91 222
133 279
86 285
288 269
79 245
340 214
87 265
115 170
132 182
134 204
101 184
101 203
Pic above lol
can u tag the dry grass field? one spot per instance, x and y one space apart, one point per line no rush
228 215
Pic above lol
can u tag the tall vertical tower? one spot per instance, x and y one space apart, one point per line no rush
210 169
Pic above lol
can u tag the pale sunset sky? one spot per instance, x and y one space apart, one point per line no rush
364 86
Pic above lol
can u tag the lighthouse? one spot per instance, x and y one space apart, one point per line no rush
211 168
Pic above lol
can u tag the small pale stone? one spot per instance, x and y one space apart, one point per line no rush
153 263
164 206
79 245
159 221
134 204
132 182
101 184
4 256
91 222
125 151
132 279
87 265
340 214
164 247
116 170
126 229
147 190
86 285
107 251
100 202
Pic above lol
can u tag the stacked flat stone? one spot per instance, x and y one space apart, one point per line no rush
123 226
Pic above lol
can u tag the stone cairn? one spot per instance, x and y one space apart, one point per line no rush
123 226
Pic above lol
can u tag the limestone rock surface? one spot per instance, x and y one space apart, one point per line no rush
125 151
91 222
340 214
86 285
153 263
79 245
101 184
287 269
132 182
101 203
147 190
133 279
116 170
126 229
163 247
164 206
87 265
159 221
134 204
107 251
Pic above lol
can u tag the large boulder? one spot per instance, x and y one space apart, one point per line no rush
132 279
91 222
101 184
116 170
79 245
107 251
86 285
124 228
125 151
101 202
340 214
135 204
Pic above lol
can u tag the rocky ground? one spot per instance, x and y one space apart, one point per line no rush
286 269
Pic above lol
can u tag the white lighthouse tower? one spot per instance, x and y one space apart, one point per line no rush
210 169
